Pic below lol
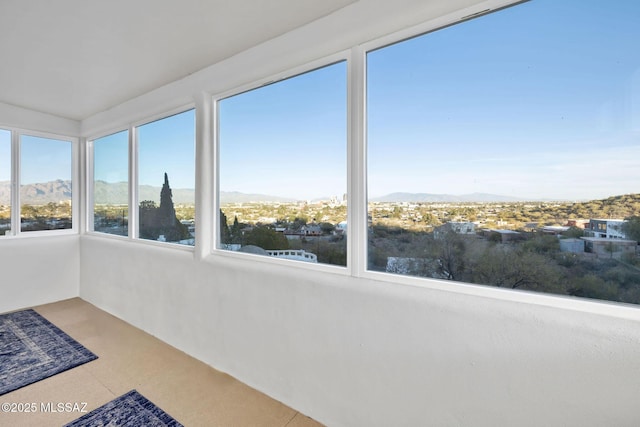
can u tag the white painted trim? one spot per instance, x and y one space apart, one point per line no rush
565 302
14 117
251 258
163 115
133 184
134 217
90 180
454 18
88 172
357 183
284 75
343 56
215 176
15 183
113 131
76 187
204 191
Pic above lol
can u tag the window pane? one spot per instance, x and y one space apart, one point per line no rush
505 151
111 184
283 168
166 179
45 183
5 182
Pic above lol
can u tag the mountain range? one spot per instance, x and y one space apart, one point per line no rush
445 198
37 194
116 194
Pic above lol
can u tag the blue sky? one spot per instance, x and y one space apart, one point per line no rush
168 145
44 159
288 138
537 101
111 158
165 145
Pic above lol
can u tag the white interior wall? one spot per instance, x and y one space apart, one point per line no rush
352 351
16 117
38 270
356 352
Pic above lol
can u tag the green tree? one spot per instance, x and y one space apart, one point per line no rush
504 266
543 244
236 231
266 238
573 232
225 232
631 228
147 213
161 220
450 251
592 286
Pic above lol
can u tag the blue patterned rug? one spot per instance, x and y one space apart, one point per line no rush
131 409
32 349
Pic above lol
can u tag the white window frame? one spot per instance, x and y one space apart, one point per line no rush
12 183
357 209
90 179
16 162
595 306
343 56
133 217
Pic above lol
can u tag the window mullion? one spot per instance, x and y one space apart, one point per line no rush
133 183
15 183
356 165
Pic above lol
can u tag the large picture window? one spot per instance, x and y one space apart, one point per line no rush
5 182
111 184
45 183
505 151
282 177
166 179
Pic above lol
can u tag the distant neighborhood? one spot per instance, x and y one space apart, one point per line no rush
602 237
588 249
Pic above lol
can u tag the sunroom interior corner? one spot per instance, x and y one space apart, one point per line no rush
341 347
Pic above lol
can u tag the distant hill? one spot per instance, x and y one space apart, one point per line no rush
5 192
117 194
237 197
445 198
38 194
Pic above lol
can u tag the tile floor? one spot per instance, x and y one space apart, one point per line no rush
128 358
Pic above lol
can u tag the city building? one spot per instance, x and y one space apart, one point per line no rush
609 247
605 228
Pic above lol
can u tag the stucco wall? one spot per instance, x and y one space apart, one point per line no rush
38 270
357 352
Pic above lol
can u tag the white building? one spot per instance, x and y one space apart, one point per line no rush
605 228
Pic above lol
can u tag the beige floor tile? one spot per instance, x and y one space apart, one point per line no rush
201 396
301 420
190 391
75 389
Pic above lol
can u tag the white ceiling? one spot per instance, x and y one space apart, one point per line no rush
75 58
